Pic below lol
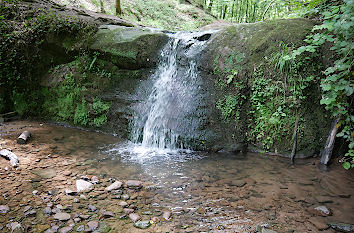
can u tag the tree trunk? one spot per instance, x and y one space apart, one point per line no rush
118 7
327 151
293 152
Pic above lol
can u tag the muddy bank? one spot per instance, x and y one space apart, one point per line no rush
203 192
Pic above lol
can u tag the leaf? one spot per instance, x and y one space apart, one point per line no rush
346 165
229 79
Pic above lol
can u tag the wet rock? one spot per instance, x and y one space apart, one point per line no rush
123 204
142 224
45 173
134 184
128 211
125 197
323 199
92 225
114 186
83 186
342 227
47 211
62 216
134 217
167 215
65 229
319 223
4 209
92 208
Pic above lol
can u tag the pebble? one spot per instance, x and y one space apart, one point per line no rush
83 186
47 211
322 211
30 213
134 217
27 208
14 226
35 192
134 184
76 200
93 225
62 216
107 214
123 204
92 208
142 224
69 192
83 216
125 197
95 180
128 211
80 228
114 186
65 229
4 209
167 215
238 183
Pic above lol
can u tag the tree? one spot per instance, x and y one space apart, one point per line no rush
118 7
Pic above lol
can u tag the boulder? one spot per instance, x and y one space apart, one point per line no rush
114 186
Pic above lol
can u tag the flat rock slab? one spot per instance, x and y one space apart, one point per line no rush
83 186
4 209
319 223
114 186
62 216
45 173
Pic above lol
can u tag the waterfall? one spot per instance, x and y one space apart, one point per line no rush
166 114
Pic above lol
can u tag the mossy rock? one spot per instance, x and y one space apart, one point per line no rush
128 48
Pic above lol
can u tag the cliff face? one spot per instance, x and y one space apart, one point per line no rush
85 68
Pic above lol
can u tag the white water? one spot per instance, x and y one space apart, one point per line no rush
156 131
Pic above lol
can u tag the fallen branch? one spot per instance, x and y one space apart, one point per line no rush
10 156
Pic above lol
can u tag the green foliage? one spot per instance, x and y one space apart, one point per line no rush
229 107
66 102
232 65
337 85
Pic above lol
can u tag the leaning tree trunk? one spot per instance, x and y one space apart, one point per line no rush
327 151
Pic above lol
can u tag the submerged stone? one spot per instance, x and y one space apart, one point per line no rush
342 227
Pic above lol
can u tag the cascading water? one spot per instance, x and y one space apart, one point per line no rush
173 95
169 114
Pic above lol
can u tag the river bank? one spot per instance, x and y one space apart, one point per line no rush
202 192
